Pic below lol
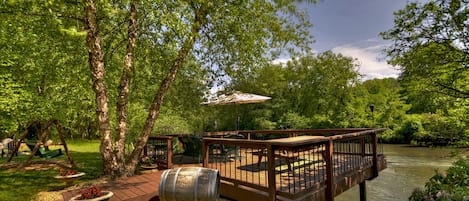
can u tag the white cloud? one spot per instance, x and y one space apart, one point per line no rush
370 56
281 61
371 66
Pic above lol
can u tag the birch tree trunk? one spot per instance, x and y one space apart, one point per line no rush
124 90
96 63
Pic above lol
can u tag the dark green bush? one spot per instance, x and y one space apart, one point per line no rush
410 129
452 186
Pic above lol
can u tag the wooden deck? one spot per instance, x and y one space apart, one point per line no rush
136 188
296 168
302 165
145 186
292 180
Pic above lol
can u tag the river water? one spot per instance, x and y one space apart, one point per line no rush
408 168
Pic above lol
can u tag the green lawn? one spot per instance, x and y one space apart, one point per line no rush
25 184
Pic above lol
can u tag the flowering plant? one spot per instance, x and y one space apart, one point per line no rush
91 192
147 160
64 172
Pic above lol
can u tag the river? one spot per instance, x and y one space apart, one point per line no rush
408 168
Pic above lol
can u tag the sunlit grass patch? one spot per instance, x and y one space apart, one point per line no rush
39 176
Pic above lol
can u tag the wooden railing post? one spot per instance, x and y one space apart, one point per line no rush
374 142
271 173
329 171
169 154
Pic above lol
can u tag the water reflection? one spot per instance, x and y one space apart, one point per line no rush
408 168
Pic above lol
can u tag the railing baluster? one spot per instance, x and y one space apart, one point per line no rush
271 173
303 165
329 171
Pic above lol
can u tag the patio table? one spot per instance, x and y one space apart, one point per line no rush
288 156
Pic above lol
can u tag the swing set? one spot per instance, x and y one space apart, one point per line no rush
40 148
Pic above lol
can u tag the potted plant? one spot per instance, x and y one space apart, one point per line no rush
148 163
68 175
93 193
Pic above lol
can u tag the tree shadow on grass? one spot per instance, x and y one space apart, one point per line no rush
25 184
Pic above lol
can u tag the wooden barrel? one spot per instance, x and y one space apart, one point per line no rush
190 184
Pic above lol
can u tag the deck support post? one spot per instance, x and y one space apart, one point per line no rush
374 142
329 172
363 191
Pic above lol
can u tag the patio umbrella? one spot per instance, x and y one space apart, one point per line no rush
237 98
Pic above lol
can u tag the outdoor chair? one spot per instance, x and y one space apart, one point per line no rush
233 151
219 152
44 152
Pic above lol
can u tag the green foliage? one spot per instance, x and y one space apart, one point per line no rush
410 129
320 91
292 120
443 128
12 100
264 124
43 52
451 186
171 124
45 63
311 91
430 44
438 128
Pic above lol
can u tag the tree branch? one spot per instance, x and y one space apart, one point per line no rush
457 93
199 21
96 63
124 85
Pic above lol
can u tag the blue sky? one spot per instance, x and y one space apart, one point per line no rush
352 27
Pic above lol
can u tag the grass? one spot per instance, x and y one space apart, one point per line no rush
22 185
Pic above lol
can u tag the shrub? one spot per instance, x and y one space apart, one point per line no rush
452 186
264 124
410 129
292 120
390 136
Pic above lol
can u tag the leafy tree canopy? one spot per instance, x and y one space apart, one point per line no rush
133 51
431 46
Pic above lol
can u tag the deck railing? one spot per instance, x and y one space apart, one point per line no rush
290 168
160 149
289 164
